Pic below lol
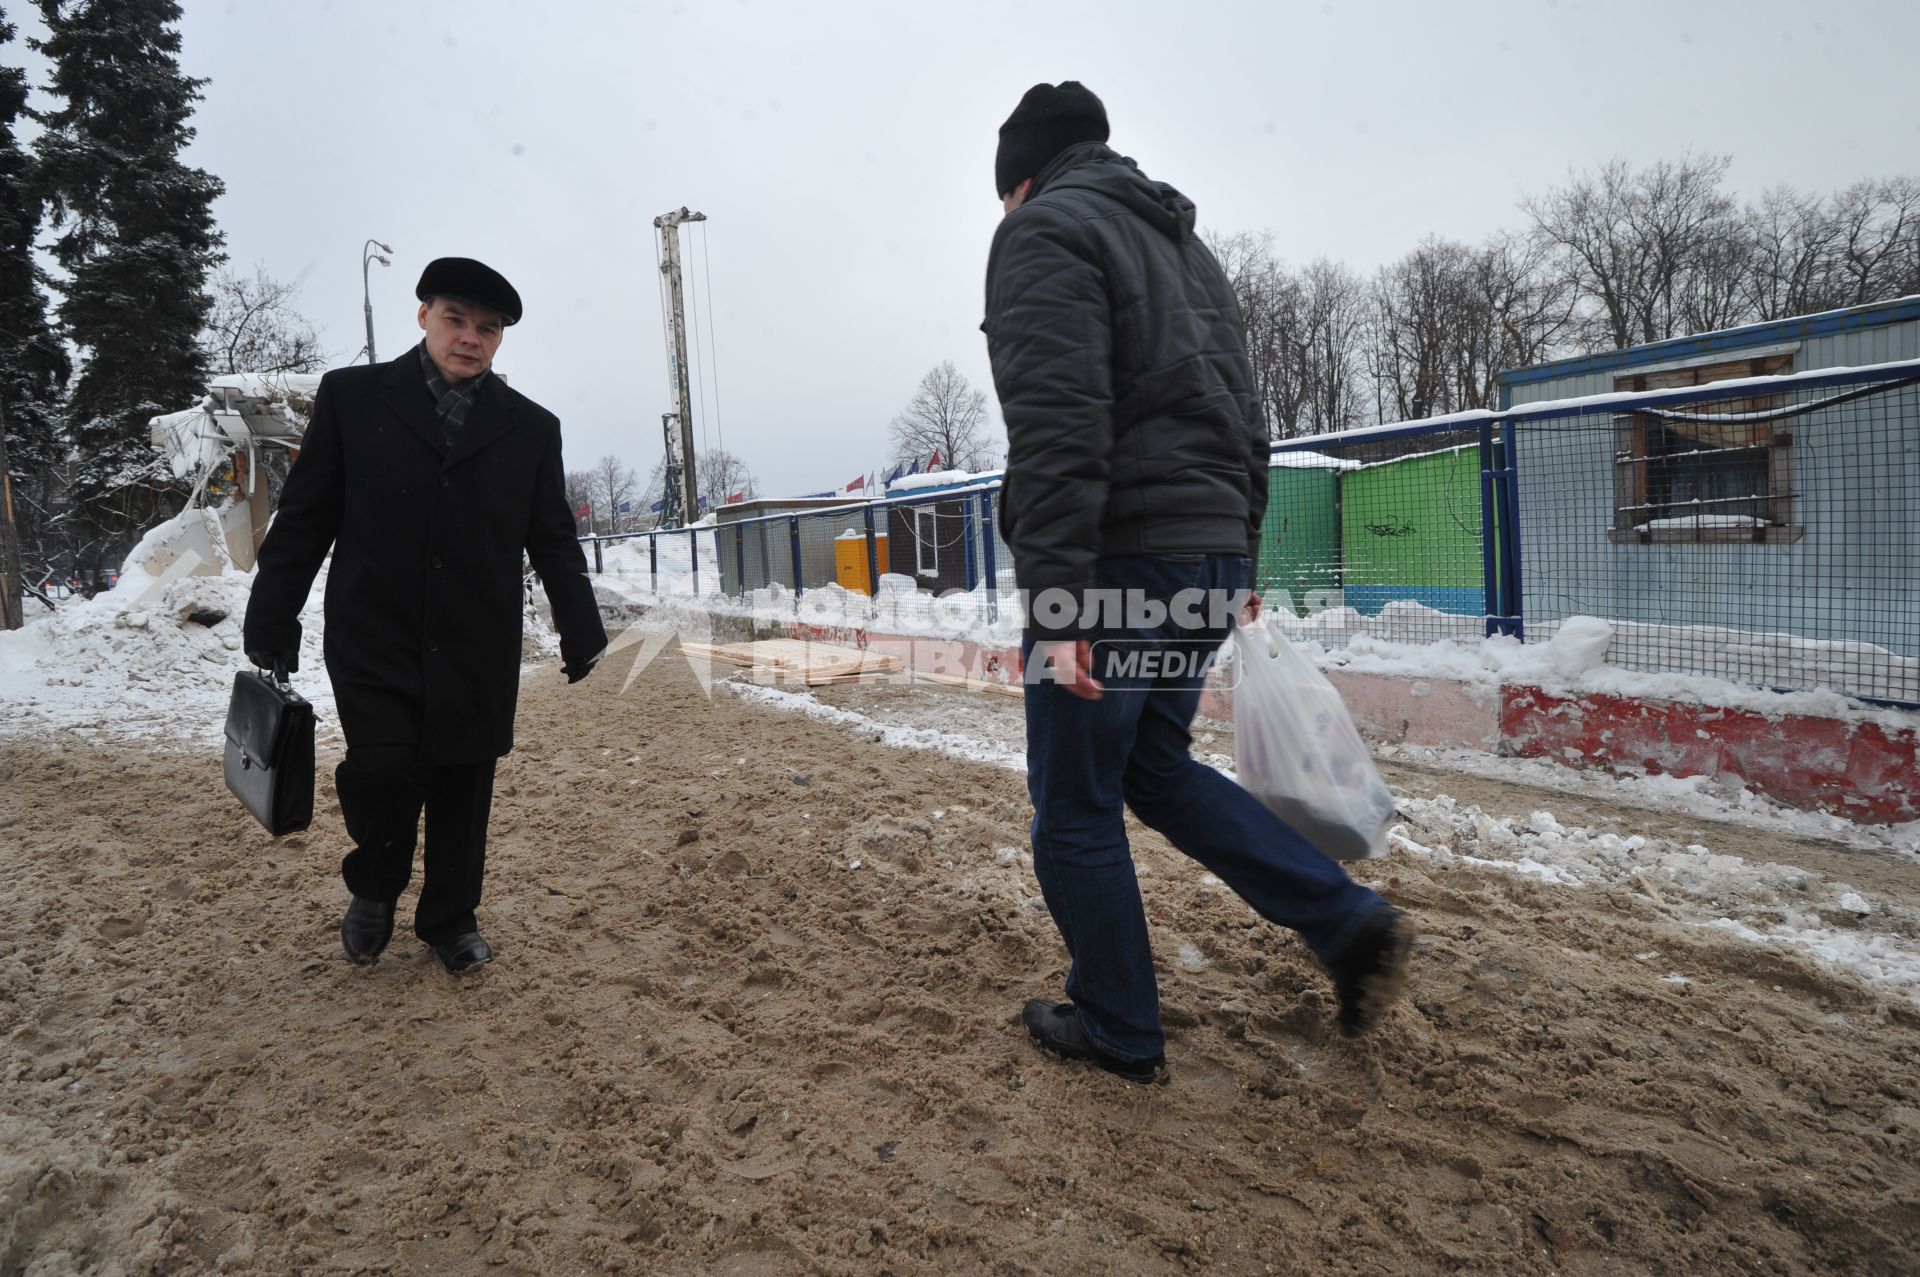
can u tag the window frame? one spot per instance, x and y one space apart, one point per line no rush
926 548
1631 458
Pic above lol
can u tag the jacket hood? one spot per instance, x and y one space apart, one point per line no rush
1096 167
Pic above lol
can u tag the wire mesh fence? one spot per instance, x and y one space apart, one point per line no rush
1761 532
1764 533
872 560
1382 534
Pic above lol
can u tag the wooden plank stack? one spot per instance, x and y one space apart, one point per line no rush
797 661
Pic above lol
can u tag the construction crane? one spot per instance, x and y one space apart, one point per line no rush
681 502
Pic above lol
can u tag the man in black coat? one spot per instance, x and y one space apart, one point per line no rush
1135 485
427 477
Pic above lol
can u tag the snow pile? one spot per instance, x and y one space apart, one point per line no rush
899 608
1402 621
1759 902
1579 647
1768 659
631 563
148 658
1587 655
154 658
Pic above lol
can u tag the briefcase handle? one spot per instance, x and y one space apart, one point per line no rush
280 674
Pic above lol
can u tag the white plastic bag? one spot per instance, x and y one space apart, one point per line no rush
1296 749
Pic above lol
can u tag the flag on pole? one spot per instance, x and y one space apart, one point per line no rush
625 507
933 462
896 473
657 506
737 497
584 512
858 483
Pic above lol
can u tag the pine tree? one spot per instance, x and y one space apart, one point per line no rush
137 239
33 362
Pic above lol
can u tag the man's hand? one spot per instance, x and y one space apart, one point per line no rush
1068 663
1251 612
577 670
269 660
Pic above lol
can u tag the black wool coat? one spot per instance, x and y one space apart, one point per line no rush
424 599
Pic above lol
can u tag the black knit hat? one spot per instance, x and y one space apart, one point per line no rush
1049 119
462 279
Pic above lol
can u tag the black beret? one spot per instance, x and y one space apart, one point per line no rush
1049 119
462 279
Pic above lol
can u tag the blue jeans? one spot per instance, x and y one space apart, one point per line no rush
1085 759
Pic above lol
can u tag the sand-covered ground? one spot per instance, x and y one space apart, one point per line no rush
713 1045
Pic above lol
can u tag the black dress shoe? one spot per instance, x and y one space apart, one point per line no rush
1055 1028
365 930
464 953
1371 971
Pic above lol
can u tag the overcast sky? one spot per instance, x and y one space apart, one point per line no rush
844 152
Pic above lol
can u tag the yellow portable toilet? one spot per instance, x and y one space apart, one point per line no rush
850 559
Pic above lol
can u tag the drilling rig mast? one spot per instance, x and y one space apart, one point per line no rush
680 451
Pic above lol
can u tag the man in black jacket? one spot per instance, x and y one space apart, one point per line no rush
1136 481
427 478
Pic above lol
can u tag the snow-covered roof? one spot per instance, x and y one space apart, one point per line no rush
1306 459
943 479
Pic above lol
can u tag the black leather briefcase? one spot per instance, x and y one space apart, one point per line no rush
270 751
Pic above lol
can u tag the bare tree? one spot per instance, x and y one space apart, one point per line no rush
1878 229
1791 266
254 327
612 482
1615 258
1639 247
1327 343
1269 298
580 489
1808 254
1523 316
1422 308
721 475
946 415
718 474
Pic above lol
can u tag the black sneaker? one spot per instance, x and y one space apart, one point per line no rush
1372 970
1056 1030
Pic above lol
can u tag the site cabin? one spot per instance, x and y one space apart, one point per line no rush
1410 528
1342 532
1300 536
1790 516
936 540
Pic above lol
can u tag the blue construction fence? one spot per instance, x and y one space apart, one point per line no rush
1763 531
942 540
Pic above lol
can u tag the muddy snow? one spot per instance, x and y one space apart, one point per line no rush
761 957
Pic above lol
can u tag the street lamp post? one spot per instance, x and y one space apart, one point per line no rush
366 300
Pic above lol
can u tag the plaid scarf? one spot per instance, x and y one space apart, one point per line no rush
451 401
